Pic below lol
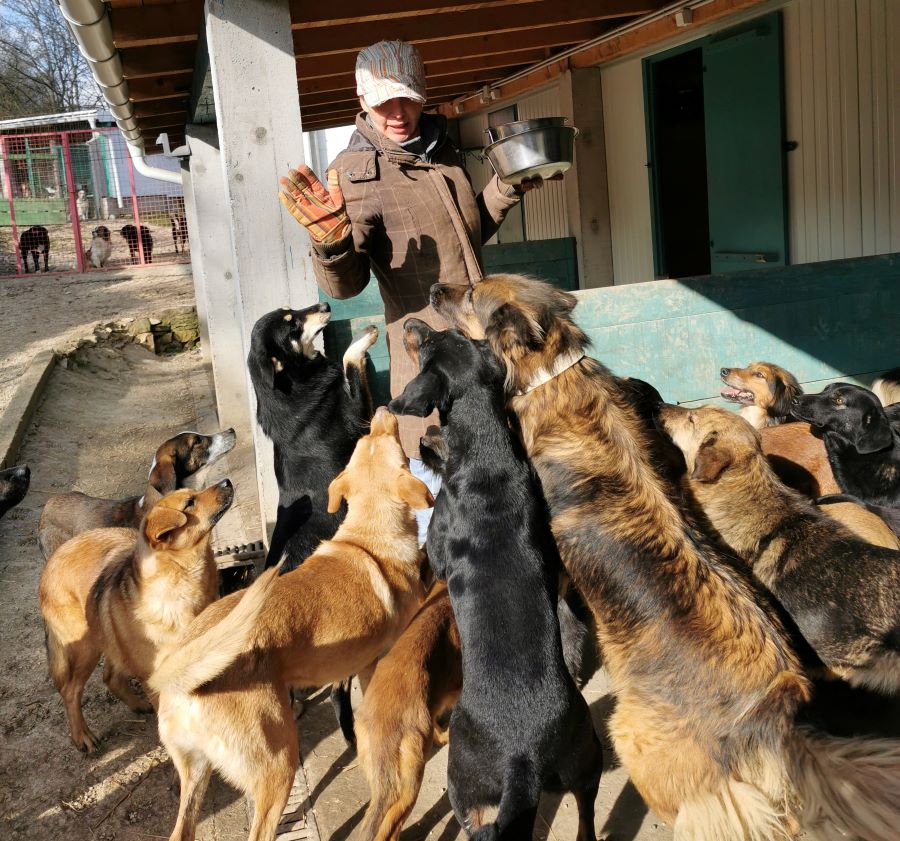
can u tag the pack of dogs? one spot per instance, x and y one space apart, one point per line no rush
34 242
738 574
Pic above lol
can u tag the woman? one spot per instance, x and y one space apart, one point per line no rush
400 205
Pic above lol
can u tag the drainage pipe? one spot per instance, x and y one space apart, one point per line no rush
89 22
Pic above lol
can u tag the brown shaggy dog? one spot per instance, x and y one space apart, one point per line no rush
418 680
706 685
764 390
843 593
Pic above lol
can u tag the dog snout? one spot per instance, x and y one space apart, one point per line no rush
383 422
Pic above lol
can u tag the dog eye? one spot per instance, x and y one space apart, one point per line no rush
838 401
759 374
189 504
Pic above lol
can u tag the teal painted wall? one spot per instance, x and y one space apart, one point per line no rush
838 320
830 321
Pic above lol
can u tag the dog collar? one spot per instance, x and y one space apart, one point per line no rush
544 375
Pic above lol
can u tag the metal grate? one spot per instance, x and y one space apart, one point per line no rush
298 823
72 201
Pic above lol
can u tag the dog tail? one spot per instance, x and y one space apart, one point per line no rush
205 657
849 787
887 387
518 805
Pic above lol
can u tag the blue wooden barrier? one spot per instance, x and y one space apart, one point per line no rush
838 320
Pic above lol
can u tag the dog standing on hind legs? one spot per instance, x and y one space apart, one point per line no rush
521 726
707 686
223 688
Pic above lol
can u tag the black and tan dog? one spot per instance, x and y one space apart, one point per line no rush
764 390
843 593
14 482
313 410
521 726
223 689
707 687
863 447
179 458
124 594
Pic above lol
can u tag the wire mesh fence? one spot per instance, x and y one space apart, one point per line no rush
72 201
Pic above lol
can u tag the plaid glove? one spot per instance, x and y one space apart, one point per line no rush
319 210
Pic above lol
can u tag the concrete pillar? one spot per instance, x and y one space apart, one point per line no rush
219 313
251 61
587 192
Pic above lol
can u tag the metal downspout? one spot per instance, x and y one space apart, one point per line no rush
89 22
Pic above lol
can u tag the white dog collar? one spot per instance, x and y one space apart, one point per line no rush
544 375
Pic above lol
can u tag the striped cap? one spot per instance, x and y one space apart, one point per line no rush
387 70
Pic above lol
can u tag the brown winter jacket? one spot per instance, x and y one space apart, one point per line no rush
413 224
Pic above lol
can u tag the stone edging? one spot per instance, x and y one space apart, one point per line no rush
18 414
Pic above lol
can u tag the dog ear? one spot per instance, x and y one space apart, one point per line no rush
162 474
337 491
160 521
421 396
875 433
511 329
710 461
413 491
785 390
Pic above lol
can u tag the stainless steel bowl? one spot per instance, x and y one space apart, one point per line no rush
496 133
542 151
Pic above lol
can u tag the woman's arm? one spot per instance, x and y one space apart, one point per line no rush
494 202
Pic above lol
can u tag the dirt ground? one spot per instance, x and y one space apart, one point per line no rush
96 429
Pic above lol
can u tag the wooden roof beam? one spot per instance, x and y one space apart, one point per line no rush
147 26
162 60
311 65
479 23
310 15
471 68
163 87
651 33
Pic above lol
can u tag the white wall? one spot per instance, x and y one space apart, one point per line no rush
842 106
626 166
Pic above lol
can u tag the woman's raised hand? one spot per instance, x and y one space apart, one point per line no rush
319 210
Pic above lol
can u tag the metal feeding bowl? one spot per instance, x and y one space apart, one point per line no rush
530 148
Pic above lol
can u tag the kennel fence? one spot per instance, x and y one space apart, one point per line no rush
72 185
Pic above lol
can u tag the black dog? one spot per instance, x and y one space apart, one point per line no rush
863 448
35 240
520 726
314 412
13 486
130 233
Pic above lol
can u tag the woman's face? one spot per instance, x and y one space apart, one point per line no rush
397 119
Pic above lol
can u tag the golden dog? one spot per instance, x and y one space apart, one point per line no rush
126 593
764 390
843 593
223 690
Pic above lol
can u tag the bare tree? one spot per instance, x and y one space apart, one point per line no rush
41 69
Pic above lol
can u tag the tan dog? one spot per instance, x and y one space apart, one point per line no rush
223 691
764 391
418 681
124 594
799 458
706 682
843 594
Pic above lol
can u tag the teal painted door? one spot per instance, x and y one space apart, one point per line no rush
742 88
